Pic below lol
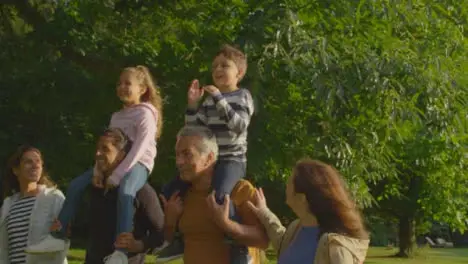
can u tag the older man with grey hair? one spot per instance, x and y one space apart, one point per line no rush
207 143
199 218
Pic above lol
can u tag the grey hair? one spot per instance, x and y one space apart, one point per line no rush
208 141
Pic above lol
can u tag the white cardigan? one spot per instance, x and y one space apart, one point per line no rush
46 208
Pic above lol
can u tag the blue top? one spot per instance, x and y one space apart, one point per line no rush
302 248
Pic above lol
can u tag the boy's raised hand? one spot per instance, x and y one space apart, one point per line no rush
194 94
211 89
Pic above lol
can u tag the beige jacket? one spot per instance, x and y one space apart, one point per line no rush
339 249
331 249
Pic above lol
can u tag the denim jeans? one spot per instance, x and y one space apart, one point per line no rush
74 194
227 174
132 182
174 185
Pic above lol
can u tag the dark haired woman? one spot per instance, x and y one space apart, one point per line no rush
31 207
329 228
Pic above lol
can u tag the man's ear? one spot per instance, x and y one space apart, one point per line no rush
15 171
240 73
210 159
121 156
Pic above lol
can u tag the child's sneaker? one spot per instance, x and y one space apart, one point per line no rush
172 251
117 257
164 245
48 245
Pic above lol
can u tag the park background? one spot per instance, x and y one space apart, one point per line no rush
377 88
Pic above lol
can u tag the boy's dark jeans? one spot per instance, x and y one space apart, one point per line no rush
227 174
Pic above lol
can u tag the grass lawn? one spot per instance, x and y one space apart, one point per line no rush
375 256
423 256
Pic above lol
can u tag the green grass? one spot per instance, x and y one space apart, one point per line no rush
375 256
423 256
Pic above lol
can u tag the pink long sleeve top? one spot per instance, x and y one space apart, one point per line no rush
139 123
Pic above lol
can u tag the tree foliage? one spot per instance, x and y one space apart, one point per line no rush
376 88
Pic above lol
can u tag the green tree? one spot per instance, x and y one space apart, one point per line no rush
376 88
380 96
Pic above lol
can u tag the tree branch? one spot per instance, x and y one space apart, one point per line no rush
31 15
7 2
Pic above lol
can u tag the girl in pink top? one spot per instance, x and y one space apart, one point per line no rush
141 121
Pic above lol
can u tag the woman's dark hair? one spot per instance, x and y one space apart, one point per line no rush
328 199
10 181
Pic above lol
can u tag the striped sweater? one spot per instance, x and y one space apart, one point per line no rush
18 228
228 116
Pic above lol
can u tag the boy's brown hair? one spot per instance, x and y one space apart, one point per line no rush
236 55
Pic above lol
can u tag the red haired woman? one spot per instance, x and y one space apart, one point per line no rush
329 228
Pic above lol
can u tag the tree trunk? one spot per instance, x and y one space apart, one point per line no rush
407 237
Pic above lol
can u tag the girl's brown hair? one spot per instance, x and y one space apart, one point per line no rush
10 182
328 199
152 94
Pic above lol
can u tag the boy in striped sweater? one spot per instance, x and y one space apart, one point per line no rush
227 111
